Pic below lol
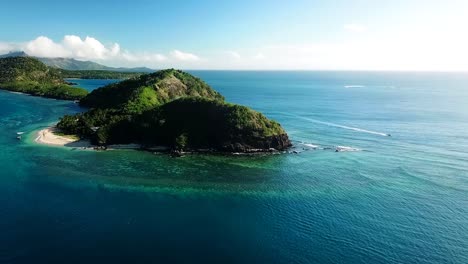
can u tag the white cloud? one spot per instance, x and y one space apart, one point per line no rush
88 48
6 47
71 46
45 47
184 56
259 56
233 54
355 28
143 57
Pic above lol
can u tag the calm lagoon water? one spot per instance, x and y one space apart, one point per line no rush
399 199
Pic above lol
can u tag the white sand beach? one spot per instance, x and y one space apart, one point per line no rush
48 136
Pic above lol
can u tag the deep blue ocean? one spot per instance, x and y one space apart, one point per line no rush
395 199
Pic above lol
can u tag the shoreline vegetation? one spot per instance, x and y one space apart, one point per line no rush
51 136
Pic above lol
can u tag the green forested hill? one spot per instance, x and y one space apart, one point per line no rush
29 75
146 91
174 109
26 69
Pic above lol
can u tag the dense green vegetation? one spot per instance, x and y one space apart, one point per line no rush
98 74
197 123
174 109
146 91
28 75
185 123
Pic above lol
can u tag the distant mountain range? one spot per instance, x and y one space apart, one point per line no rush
76 65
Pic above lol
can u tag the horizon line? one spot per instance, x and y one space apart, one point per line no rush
265 70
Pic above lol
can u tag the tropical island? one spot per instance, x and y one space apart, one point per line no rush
168 110
173 110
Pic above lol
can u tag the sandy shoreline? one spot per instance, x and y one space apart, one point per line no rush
48 136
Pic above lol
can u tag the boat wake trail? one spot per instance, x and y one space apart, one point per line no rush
354 86
344 127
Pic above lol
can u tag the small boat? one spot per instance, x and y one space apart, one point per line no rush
18 137
19 133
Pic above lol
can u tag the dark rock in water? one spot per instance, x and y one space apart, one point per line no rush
266 144
235 147
176 154
279 142
100 148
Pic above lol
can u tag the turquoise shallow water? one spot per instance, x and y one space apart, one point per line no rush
400 199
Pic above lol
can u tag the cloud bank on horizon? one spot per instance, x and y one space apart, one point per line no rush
90 48
422 52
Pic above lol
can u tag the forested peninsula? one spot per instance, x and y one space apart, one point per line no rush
29 75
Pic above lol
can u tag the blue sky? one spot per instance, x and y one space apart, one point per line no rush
257 34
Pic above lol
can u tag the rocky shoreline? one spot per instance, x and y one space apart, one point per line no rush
51 136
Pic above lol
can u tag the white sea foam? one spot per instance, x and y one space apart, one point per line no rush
345 149
310 145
